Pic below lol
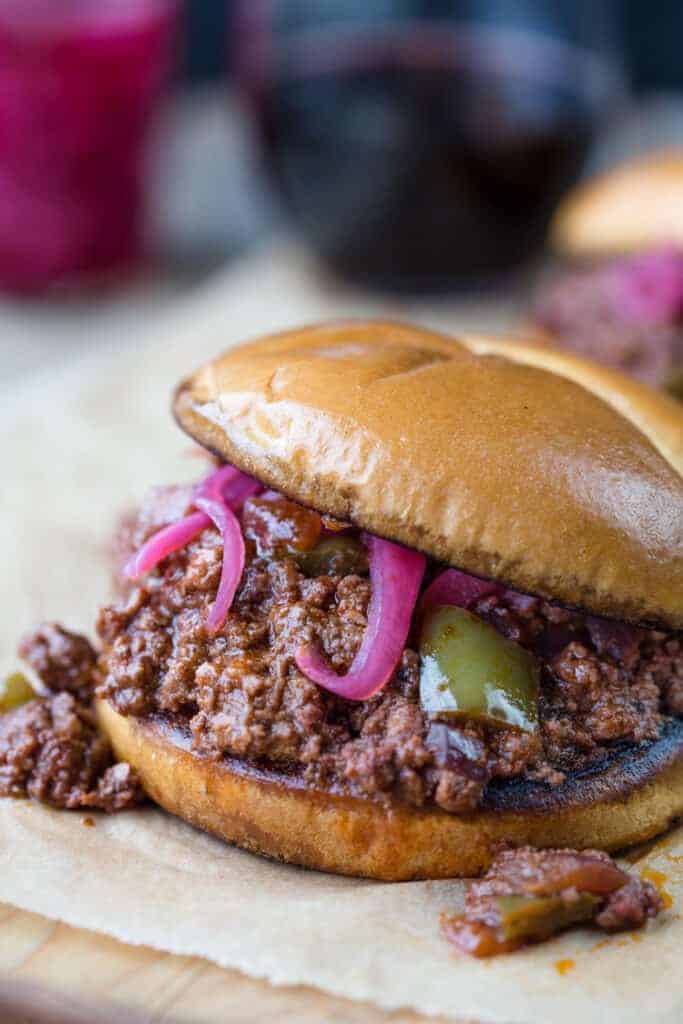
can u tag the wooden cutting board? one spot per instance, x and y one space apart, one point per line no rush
53 974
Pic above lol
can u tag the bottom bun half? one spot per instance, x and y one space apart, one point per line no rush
629 798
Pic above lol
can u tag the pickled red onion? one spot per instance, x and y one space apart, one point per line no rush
212 497
648 288
175 536
216 497
457 588
164 542
395 574
235 487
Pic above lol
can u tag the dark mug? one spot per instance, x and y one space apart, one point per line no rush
418 144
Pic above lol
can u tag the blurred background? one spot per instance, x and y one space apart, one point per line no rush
399 148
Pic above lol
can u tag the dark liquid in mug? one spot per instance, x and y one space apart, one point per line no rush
422 177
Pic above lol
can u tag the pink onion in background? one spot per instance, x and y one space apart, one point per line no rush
648 288
395 575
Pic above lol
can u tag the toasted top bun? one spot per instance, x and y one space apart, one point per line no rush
657 415
494 465
636 205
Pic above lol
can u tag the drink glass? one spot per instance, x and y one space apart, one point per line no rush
420 143
80 84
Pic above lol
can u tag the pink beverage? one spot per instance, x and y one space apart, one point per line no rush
80 84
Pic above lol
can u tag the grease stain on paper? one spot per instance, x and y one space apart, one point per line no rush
658 879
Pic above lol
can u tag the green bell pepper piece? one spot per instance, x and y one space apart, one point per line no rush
15 690
470 671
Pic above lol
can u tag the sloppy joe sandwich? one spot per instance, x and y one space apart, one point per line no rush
620 301
426 601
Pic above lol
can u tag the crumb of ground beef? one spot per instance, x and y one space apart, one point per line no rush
50 750
561 887
664 666
601 683
605 702
629 906
62 660
241 694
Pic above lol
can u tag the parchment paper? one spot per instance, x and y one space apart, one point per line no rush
81 444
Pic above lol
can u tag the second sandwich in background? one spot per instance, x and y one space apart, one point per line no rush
619 299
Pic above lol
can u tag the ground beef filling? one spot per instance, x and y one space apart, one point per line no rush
241 694
527 895
50 747
50 750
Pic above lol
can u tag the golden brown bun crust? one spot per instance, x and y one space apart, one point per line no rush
632 800
500 468
636 205
656 415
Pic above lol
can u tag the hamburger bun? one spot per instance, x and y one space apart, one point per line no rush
636 205
657 415
502 467
498 457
